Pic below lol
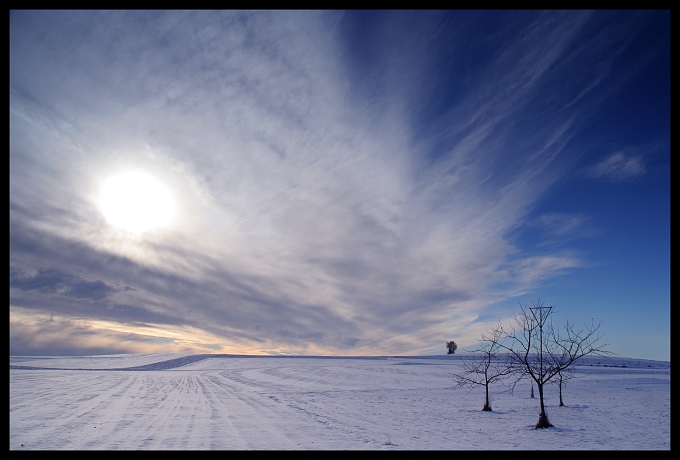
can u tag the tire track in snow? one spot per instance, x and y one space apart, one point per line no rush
72 423
301 405
261 422
185 415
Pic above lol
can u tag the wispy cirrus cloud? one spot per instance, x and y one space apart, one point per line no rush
559 228
618 167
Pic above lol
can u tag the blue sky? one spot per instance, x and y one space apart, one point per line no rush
339 183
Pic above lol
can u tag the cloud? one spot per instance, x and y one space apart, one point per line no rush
55 281
558 228
54 334
618 167
532 270
562 224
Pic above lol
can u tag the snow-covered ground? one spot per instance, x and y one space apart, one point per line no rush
227 402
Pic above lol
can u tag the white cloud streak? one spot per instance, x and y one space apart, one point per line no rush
559 228
619 167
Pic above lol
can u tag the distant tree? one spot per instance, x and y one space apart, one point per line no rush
536 351
452 347
487 367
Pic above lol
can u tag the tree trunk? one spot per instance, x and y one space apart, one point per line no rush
487 406
561 403
543 421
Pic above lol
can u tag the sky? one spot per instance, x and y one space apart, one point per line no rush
335 182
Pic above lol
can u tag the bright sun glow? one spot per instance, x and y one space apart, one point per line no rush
137 202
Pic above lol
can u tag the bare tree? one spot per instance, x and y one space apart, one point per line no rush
563 356
487 367
561 380
538 352
451 347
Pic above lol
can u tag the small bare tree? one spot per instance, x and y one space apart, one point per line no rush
538 352
562 357
561 380
487 367
451 346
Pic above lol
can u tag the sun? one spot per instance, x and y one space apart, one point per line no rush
137 202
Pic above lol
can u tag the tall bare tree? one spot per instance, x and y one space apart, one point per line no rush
536 351
488 365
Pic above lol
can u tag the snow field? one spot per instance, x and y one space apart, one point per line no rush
274 403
